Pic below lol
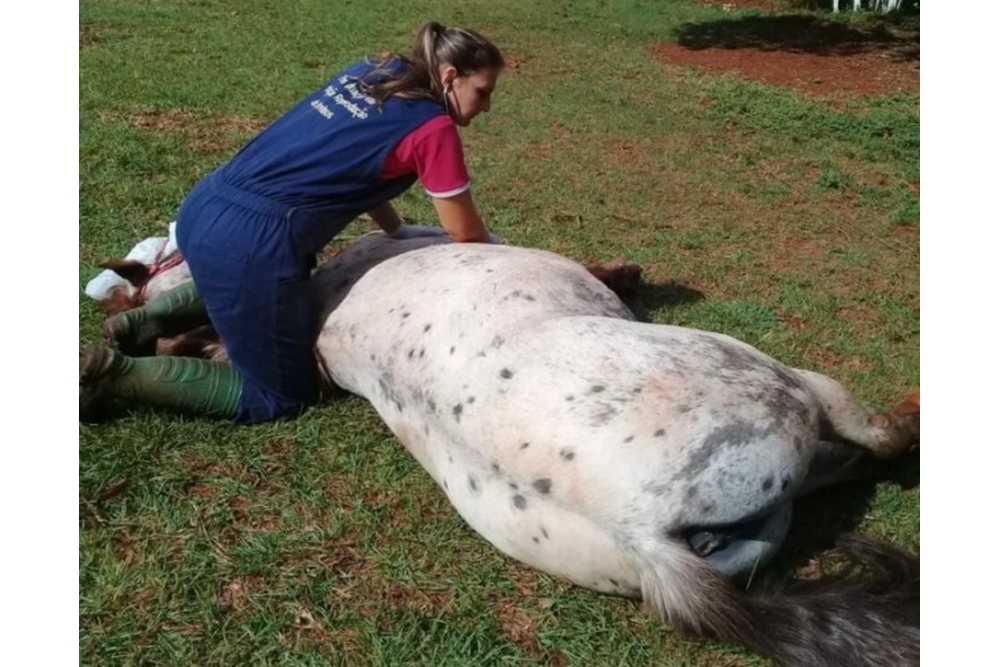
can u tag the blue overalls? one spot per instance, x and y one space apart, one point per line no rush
250 231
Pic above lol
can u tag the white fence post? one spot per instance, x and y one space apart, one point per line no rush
883 6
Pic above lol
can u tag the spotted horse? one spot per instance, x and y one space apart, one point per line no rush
130 283
645 460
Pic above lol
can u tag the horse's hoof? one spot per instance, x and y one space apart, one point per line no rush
908 414
126 333
96 363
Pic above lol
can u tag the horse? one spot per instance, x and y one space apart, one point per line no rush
130 283
637 459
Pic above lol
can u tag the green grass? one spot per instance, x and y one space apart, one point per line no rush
784 221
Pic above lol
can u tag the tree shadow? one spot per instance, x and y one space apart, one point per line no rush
805 33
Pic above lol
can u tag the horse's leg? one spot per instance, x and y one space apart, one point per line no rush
193 386
136 331
621 278
835 463
201 342
886 434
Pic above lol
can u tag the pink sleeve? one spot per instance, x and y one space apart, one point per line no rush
434 153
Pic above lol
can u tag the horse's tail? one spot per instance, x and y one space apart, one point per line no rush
867 615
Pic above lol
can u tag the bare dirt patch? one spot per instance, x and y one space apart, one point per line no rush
86 38
808 53
216 133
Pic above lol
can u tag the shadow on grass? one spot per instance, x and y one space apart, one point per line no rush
652 297
801 33
819 519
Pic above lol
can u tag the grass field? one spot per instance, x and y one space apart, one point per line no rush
788 222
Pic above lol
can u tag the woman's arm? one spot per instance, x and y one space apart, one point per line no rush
385 216
459 218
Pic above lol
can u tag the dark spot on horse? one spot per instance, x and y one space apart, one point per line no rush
659 433
567 454
457 411
427 327
470 400
519 501
410 353
422 350
497 342
524 445
543 485
684 409
785 481
707 508
512 485
432 405
452 350
630 438
495 467
450 460
506 374
444 483
371 357
602 414
768 483
570 397
613 582
405 315
534 539
729 434
473 484
545 533
597 389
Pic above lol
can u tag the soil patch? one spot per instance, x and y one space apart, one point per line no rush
818 57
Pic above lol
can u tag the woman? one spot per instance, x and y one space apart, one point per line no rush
250 231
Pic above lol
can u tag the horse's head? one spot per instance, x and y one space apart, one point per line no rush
143 282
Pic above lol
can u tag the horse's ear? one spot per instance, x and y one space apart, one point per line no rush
131 270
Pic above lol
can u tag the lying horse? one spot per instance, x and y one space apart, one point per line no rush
139 282
638 459
645 460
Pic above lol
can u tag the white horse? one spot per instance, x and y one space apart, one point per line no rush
640 459
637 459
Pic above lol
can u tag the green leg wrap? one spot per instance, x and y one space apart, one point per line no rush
135 331
192 386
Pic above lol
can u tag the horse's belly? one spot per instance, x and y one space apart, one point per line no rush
510 513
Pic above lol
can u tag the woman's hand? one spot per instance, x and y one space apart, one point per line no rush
406 231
